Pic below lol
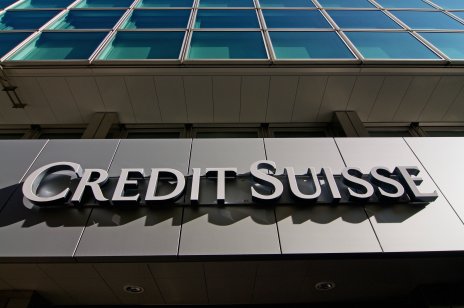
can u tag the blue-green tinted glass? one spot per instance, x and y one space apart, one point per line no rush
286 3
25 20
346 3
227 45
459 14
389 45
450 4
226 3
144 45
88 19
43 4
226 19
10 40
451 44
146 19
294 19
363 20
408 4
60 46
165 3
104 3
427 20
309 45
5 3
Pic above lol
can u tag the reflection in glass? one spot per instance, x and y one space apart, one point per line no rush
60 46
451 44
427 20
346 3
144 45
25 20
389 45
450 4
104 3
5 3
309 45
165 3
146 19
294 19
88 19
407 4
226 19
43 4
9 40
227 45
363 20
226 3
286 3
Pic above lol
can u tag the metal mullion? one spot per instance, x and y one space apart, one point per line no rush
185 48
428 44
351 9
330 19
28 39
413 29
433 4
453 17
377 5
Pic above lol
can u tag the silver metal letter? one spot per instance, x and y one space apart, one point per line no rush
89 180
294 185
123 185
352 179
33 181
221 181
330 180
195 190
380 176
265 179
410 184
151 196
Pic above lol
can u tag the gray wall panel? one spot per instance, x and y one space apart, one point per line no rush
318 228
404 227
446 173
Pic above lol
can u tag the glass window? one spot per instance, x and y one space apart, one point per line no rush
226 19
5 3
9 40
309 45
144 45
294 19
286 3
363 20
450 4
408 4
146 19
60 46
165 3
43 4
451 44
104 3
459 14
346 3
389 45
226 3
88 19
427 20
227 45
25 20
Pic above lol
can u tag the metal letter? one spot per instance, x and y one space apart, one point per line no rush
33 181
330 180
357 183
94 183
380 176
294 185
123 185
151 196
221 181
195 190
265 179
410 184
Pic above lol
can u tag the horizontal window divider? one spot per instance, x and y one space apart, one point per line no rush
301 30
226 30
98 9
317 61
73 30
226 61
161 8
403 61
135 62
153 30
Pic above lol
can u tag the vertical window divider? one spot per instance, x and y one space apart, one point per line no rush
430 45
188 35
264 31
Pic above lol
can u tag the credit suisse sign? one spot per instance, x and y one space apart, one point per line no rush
138 186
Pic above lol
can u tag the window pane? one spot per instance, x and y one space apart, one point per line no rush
43 4
385 45
450 4
451 44
408 4
166 3
294 19
144 45
459 14
363 20
226 19
5 3
346 3
226 3
8 41
227 45
146 19
104 3
98 19
309 45
25 20
427 20
286 3
60 46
